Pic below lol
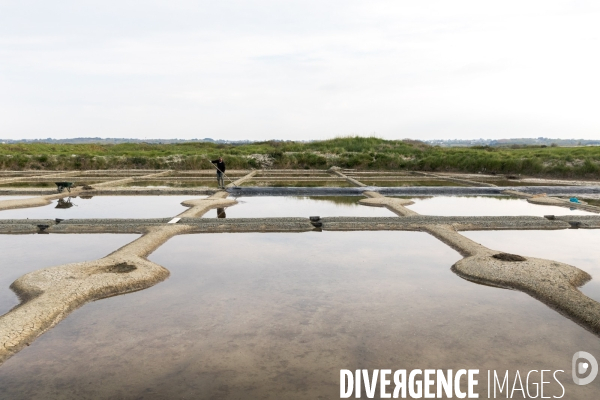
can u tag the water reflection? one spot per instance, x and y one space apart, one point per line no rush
485 206
262 315
174 183
49 250
577 247
300 206
298 183
408 183
105 207
64 203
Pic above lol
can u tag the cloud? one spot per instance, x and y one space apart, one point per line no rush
299 69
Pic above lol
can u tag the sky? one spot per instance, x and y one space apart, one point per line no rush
300 70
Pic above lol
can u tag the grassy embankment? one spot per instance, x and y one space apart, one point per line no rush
359 153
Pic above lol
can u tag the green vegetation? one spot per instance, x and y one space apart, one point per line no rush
593 202
351 152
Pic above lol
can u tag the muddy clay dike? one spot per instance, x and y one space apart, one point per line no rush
26 253
286 283
579 247
14 197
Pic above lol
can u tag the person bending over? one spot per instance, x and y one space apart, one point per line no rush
220 164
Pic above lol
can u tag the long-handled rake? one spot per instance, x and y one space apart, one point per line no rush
232 182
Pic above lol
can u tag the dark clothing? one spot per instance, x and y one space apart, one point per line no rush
220 182
220 165
221 171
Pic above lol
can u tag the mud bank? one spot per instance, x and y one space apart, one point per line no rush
295 224
552 201
46 199
553 283
49 295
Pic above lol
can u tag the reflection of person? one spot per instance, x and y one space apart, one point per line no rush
220 164
62 203
221 213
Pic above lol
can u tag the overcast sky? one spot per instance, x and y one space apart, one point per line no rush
300 69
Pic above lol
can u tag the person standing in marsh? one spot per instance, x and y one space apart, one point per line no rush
220 164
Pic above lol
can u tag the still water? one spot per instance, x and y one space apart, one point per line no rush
413 183
298 206
577 247
105 207
297 183
277 315
486 206
212 183
25 253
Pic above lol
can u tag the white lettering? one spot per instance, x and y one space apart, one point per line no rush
472 383
370 385
400 384
459 373
411 384
445 383
517 376
432 383
504 382
563 388
542 385
346 391
537 389
383 384
428 382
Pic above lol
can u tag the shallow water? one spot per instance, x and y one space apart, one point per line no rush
593 202
390 183
323 175
173 183
208 173
19 259
577 247
298 206
112 174
486 206
299 183
249 316
106 207
518 183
